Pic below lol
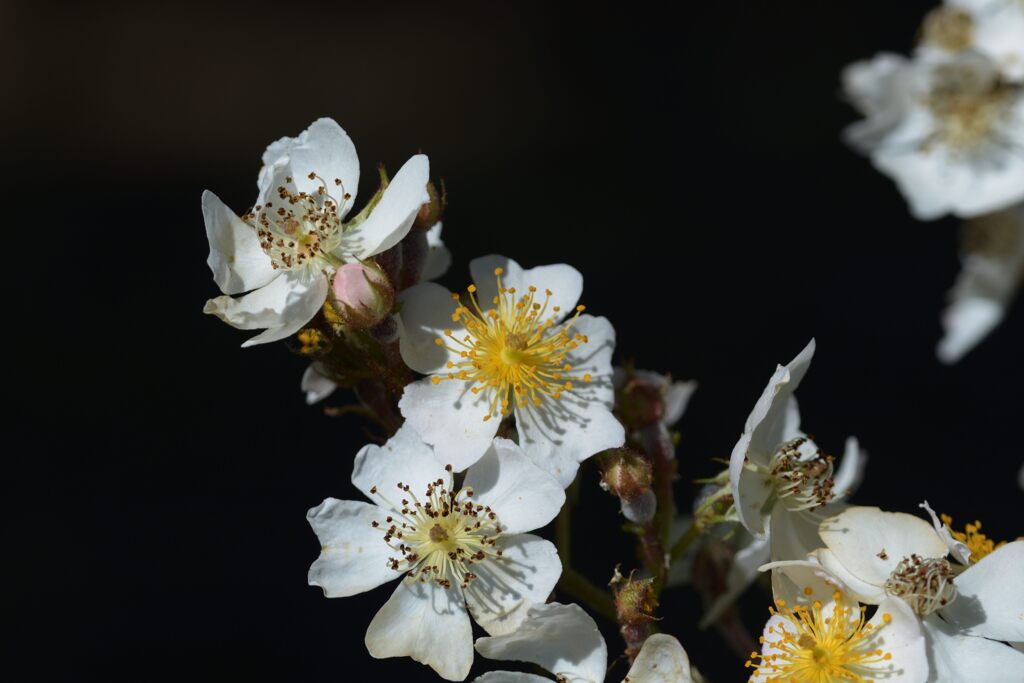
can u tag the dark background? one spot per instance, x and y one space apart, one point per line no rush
688 164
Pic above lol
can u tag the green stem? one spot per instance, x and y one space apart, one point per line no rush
684 542
580 587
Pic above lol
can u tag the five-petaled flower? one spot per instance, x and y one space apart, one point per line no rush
460 549
516 344
280 255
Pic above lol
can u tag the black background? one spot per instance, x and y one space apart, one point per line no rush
687 162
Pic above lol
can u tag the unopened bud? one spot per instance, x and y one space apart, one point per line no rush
431 212
361 295
635 604
626 474
640 403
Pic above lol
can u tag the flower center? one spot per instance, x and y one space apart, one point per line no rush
515 350
926 584
440 538
810 646
801 482
300 229
968 109
979 544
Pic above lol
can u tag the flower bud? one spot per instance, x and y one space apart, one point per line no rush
640 403
626 474
635 604
361 294
430 213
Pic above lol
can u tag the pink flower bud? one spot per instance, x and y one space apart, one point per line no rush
361 294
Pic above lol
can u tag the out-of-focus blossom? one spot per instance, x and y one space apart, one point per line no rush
564 640
947 130
274 263
519 346
458 551
994 28
991 275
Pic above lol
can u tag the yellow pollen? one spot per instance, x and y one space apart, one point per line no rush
979 544
515 351
810 646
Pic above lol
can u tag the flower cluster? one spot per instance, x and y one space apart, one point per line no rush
947 125
490 399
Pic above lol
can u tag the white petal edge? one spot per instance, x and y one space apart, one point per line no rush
428 623
523 495
426 312
236 259
990 600
353 555
403 458
562 639
316 386
662 659
391 218
564 281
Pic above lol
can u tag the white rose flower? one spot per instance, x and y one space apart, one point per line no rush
996 29
564 640
990 277
948 131
880 556
510 350
460 551
822 634
778 476
279 256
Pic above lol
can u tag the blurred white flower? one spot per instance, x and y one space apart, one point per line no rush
461 551
510 350
564 640
779 478
878 556
996 29
990 277
279 256
823 635
947 130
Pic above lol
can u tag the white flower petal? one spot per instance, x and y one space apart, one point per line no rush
325 149
353 555
510 677
439 258
426 312
868 593
990 600
283 306
904 639
316 385
562 639
661 660
882 89
850 472
859 535
562 433
958 550
428 623
677 397
404 458
394 214
967 321
751 492
524 496
564 281
504 590
237 260
450 418
955 656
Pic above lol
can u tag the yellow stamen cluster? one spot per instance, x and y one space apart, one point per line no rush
979 544
515 350
441 538
812 647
